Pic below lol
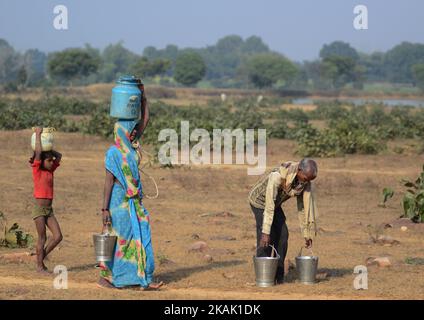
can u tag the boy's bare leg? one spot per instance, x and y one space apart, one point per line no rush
40 224
54 227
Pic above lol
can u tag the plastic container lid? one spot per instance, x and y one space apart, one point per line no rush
128 79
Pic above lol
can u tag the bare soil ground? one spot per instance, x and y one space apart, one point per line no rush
348 194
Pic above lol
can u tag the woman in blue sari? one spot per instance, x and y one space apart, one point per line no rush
125 215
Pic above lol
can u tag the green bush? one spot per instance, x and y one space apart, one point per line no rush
25 116
278 130
413 199
329 110
343 137
348 129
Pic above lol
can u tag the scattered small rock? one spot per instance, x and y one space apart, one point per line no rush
17 292
329 232
364 242
195 236
19 257
222 251
221 237
208 258
381 262
223 214
407 222
403 228
415 261
165 261
229 275
387 241
198 246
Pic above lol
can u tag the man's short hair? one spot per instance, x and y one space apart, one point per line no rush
308 167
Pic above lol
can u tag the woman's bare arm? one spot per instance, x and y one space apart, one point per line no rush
145 113
109 179
106 218
146 117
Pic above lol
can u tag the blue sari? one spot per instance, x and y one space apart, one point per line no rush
133 262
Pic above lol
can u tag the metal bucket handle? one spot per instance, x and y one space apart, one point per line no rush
108 231
274 252
300 252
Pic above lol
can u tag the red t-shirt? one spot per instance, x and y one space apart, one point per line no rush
43 180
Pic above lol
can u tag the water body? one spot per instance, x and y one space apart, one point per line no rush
362 101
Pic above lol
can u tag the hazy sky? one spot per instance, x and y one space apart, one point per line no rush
296 28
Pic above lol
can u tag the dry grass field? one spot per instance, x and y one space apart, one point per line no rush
348 194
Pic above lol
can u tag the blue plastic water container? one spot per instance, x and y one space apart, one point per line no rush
126 97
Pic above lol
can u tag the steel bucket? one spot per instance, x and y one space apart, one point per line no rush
306 267
266 269
104 246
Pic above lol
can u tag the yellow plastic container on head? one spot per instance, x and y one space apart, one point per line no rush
46 139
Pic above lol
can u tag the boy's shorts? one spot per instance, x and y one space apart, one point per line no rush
39 211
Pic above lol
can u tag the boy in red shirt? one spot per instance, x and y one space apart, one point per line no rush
43 164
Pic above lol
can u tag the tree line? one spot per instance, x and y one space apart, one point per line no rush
233 62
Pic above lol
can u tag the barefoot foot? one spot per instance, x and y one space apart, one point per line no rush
42 270
103 283
155 285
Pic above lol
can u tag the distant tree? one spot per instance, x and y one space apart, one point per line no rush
150 52
9 62
359 76
254 44
398 61
339 70
117 60
300 81
98 75
150 68
313 73
229 44
266 69
374 66
418 71
22 77
170 52
71 63
338 48
35 66
189 68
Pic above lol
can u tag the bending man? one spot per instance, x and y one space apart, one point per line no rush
290 179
